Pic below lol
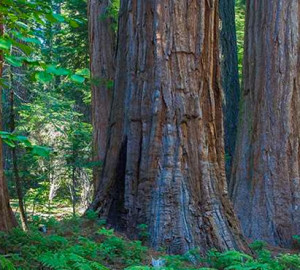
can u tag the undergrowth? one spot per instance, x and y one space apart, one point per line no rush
86 244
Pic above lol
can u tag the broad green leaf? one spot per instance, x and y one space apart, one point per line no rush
14 60
41 151
77 78
74 23
54 18
57 71
5 44
31 40
25 48
23 25
58 17
83 72
43 77
24 139
9 142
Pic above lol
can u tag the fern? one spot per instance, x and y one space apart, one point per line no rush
67 260
6 264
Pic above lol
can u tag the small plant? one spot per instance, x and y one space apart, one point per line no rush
91 215
143 232
296 239
258 245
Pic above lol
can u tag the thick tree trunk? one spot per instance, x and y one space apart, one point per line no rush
7 219
102 52
265 182
230 79
164 165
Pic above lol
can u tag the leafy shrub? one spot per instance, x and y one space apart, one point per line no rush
91 215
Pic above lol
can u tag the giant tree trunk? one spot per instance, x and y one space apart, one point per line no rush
230 79
265 183
7 219
164 164
102 51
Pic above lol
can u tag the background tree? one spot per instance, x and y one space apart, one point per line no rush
265 182
230 78
164 165
7 220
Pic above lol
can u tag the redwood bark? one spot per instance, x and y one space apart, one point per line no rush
265 183
7 218
230 79
102 52
164 164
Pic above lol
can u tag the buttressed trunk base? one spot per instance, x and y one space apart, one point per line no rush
164 166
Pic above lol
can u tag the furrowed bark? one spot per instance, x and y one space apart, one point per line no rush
265 184
102 53
164 164
230 79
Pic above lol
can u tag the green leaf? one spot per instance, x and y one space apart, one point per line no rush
84 72
77 78
43 77
13 60
57 71
74 23
23 25
9 142
5 44
41 151
24 140
31 40
55 18
58 17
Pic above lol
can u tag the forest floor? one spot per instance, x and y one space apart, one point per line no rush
87 244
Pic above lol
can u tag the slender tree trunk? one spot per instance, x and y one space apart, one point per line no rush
15 165
164 164
230 79
265 184
102 51
73 191
7 220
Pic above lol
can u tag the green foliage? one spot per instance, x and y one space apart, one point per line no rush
91 215
143 232
240 32
76 243
6 264
69 260
116 249
112 12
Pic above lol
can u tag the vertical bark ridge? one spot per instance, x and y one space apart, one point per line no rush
265 181
102 54
168 106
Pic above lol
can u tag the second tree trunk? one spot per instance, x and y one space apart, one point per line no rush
265 185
